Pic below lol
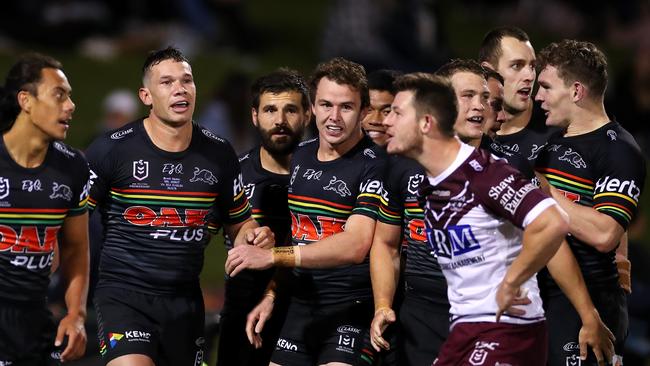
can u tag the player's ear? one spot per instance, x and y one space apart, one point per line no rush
579 91
145 96
426 123
488 65
24 100
254 116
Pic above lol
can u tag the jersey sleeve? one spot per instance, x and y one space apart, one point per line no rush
619 182
371 190
508 194
234 207
99 162
81 189
392 207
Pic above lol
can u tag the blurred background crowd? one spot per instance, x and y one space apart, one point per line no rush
102 45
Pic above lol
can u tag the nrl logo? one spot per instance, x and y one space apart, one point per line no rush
414 183
140 169
4 187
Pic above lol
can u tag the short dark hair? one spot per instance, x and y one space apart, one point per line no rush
343 72
491 74
25 75
158 56
490 50
383 80
434 95
278 81
461 65
577 61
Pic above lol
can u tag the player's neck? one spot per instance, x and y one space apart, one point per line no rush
167 136
274 163
587 120
516 122
438 155
328 152
26 144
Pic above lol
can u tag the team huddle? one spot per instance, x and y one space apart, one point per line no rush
446 218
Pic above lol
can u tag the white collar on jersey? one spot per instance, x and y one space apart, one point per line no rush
464 153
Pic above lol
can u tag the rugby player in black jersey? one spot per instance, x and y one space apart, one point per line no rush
508 51
334 195
43 195
280 112
160 183
596 172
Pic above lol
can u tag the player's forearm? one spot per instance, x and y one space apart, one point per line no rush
238 231
564 269
75 267
590 226
340 249
384 272
541 241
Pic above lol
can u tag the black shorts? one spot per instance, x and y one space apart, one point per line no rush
167 329
234 347
27 334
314 335
423 328
564 325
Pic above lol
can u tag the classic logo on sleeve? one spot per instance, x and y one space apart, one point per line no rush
120 134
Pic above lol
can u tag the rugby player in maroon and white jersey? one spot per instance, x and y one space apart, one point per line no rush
491 229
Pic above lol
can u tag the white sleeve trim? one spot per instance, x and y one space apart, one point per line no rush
537 210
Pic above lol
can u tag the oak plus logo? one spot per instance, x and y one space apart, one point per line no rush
4 187
140 169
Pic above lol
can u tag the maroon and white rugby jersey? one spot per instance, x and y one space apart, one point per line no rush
474 215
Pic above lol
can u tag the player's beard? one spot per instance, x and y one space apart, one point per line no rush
284 147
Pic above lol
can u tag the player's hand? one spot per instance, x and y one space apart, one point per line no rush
595 334
383 318
72 326
257 318
508 297
262 237
623 265
248 257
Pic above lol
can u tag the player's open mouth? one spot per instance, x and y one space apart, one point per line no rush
476 119
334 128
524 92
181 106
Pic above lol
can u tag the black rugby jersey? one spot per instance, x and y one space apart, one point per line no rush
157 206
322 195
267 194
515 159
34 202
403 178
603 169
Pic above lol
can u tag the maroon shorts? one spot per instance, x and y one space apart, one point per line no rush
495 344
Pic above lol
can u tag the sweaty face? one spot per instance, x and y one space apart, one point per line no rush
555 96
472 95
402 128
338 112
494 114
380 101
170 91
517 66
281 121
51 111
